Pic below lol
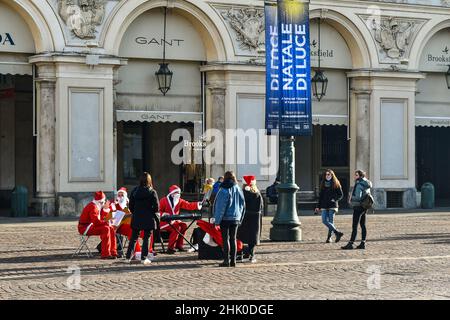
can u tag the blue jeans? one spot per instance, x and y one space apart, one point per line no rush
328 220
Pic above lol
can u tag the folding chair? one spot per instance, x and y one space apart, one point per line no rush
83 243
123 243
158 237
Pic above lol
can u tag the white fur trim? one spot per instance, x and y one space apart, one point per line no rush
175 191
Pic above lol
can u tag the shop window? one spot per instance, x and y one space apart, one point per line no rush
334 146
132 152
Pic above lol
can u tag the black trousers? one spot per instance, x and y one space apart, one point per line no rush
229 233
359 217
134 237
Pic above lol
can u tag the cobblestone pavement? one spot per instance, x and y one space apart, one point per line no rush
407 256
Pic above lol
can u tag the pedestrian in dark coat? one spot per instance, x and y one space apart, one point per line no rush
144 205
250 229
329 197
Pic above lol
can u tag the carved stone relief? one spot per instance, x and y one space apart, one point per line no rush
393 36
82 16
246 25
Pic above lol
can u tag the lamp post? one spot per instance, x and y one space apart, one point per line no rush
319 81
447 77
164 75
286 225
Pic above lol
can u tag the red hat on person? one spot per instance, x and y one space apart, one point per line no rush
99 195
249 180
174 189
123 189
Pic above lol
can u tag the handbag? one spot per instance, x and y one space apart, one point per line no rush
368 201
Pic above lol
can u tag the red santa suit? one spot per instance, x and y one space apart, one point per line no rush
125 228
93 217
170 205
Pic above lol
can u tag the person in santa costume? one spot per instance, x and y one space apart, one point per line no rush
171 205
121 203
93 217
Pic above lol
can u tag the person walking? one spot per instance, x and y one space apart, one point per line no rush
360 190
249 230
229 209
329 196
144 204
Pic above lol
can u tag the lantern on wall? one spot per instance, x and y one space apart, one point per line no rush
164 75
319 81
447 77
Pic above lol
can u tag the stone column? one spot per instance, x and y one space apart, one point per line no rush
362 124
218 123
45 197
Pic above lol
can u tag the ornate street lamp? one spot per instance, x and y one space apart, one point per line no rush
447 77
319 81
164 75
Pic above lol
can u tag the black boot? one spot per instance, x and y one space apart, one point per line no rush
349 246
338 236
362 245
224 264
328 239
99 247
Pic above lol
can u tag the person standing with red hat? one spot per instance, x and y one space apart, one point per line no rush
93 217
171 205
250 229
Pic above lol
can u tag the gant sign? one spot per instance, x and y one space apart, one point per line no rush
159 42
6 39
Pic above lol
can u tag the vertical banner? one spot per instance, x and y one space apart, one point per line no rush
294 68
272 68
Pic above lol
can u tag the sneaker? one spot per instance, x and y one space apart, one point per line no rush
349 246
170 251
362 246
146 262
252 259
193 249
338 236
151 257
233 264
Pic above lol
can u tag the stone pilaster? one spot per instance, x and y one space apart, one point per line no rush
45 197
218 123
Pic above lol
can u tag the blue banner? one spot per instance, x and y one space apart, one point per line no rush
288 70
272 69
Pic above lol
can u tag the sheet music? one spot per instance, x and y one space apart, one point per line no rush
118 216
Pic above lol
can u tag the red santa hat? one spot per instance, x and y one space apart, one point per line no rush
249 180
174 189
99 196
124 191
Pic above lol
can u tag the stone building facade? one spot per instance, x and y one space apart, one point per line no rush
80 108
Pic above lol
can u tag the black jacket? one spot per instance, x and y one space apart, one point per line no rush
250 228
329 198
144 204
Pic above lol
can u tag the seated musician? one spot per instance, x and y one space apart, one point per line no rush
93 217
171 205
124 228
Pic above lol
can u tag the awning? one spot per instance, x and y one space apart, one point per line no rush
158 116
13 68
423 121
329 120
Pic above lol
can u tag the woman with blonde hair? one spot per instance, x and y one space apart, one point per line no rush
250 229
329 197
